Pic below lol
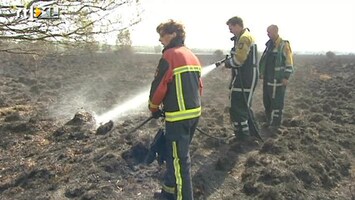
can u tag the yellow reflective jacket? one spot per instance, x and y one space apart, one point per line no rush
242 47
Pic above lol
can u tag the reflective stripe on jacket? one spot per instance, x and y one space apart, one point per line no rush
244 60
283 66
177 84
242 47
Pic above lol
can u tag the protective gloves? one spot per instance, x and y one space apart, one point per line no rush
227 63
232 52
158 114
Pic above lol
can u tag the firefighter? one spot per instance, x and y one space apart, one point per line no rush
242 61
276 66
176 90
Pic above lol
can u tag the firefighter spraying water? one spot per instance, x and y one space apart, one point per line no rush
175 94
158 149
138 101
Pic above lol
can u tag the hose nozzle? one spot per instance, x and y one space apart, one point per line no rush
218 63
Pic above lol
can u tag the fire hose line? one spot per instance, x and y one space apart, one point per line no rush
220 139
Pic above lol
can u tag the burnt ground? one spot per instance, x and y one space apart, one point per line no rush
50 147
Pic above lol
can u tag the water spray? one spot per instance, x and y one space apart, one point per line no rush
122 110
135 103
207 69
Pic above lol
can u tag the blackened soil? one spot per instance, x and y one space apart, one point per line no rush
50 146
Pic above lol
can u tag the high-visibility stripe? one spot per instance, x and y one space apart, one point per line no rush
253 46
251 90
234 62
274 84
235 125
232 84
177 169
278 68
187 68
240 90
273 89
281 49
179 92
274 115
168 189
181 115
289 70
244 126
252 86
277 113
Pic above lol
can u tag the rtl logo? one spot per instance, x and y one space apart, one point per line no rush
39 10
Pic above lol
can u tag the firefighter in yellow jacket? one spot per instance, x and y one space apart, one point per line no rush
243 65
276 66
177 87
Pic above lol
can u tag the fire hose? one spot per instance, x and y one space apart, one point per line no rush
141 124
220 139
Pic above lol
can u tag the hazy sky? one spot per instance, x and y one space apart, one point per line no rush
309 25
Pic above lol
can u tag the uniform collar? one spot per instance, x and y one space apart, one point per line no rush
278 41
236 37
243 31
174 43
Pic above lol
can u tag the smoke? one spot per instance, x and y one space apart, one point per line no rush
136 103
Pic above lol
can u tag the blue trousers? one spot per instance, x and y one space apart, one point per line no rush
177 179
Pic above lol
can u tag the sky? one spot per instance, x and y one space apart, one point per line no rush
309 25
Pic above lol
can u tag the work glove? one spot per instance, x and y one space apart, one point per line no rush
222 61
232 52
219 63
227 63
157 114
